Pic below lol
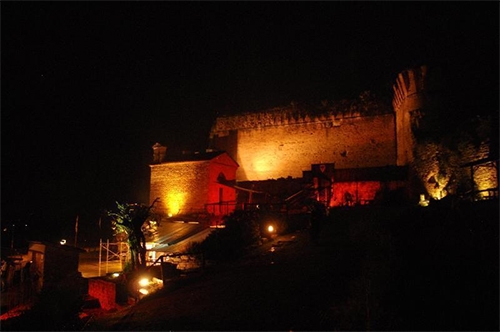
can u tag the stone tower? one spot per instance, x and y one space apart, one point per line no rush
159 152
416 98
408 102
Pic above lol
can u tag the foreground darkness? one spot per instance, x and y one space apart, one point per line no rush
431 268
375 268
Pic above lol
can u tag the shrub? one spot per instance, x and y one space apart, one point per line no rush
242 230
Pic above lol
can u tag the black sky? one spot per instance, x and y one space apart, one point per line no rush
89 87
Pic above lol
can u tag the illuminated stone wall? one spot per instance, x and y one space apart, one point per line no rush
408 103
186 186
181 186
103 290
221 196
360 193
274 144
484 176
439 167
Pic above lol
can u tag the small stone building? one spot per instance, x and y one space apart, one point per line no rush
367 146
193 183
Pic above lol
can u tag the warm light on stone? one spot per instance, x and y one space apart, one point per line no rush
188 186
175 201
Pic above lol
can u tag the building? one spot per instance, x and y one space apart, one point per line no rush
349 152
193 183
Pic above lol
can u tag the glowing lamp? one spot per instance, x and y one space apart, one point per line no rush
144 282
143 291
62 242
423 201
270 228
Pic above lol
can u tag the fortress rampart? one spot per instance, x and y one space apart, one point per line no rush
285 142
412 102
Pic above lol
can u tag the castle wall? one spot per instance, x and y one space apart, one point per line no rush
483 176
186 186
221 197
415 98
271 146
181 186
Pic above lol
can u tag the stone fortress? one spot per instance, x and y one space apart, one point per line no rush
357 148
366 133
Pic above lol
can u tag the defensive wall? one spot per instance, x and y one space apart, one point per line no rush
174 183
284 142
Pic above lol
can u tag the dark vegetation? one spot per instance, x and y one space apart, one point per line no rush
243 230
447 263
434 268
376 268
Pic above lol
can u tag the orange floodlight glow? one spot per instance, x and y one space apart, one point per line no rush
175 202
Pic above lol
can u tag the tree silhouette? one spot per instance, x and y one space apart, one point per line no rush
128 220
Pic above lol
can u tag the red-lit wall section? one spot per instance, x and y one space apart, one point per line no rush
186 185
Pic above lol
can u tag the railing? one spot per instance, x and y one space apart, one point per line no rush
478 195
222 208
171 258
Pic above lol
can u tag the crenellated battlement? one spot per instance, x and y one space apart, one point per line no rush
409 84
285 141
330 114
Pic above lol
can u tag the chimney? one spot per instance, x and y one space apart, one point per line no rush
159 152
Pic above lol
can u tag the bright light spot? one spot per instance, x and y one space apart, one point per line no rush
63 242
143 291
263 166
175 202
116 275
170 215
423 201
217 226
144 282
270 228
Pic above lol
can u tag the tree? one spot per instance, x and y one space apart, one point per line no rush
128 221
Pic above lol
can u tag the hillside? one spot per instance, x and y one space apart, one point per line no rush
375 269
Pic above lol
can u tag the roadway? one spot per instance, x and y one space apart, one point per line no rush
170 237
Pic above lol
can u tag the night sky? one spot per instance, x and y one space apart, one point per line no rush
89 87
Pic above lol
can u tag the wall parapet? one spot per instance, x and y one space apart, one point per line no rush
330 113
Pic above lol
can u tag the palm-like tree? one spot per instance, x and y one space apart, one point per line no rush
128 220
